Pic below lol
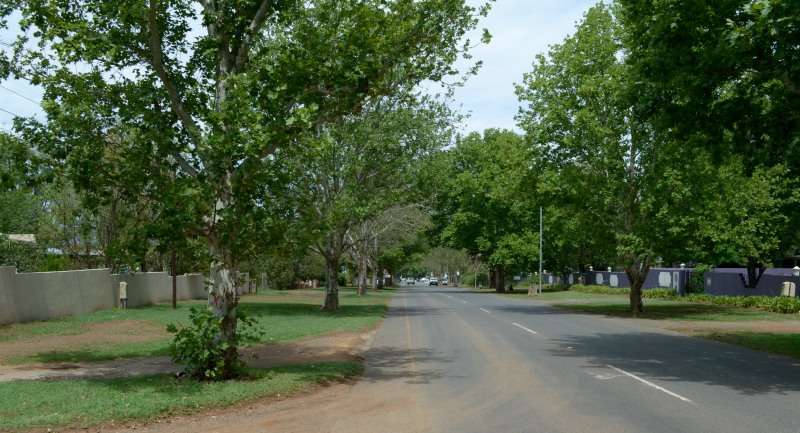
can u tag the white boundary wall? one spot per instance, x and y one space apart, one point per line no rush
47 295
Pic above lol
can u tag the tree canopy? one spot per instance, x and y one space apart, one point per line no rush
196 105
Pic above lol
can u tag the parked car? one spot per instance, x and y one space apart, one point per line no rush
410 280
423 280
445 280
433 281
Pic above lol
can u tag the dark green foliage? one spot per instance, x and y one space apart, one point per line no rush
695 284
660 293
553 287
23 256
775 304
601 290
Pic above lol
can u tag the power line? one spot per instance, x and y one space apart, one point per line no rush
15 115
20 95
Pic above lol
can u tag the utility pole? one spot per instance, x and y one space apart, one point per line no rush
539 289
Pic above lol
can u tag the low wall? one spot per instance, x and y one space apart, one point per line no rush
728 283
47 295
156 287
657 278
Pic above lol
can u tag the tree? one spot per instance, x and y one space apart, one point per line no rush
361 167
447 261
483 204
22 174
749 220
210 117
719 75
401 240
596 152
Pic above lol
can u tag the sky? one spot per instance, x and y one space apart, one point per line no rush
520 30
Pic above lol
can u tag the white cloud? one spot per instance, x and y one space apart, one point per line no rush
520 30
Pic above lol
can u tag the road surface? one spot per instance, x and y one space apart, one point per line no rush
448 360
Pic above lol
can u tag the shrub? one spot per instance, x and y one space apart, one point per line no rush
197 348
554 287
695 283
660 293
602 290
780 304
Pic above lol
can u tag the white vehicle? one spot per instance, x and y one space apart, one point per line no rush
433 281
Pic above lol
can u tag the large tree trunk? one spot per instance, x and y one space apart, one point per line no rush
361 264
223 300
500 279
331 284
379 274
637 274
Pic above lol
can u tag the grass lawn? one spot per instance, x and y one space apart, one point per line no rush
40 405
284 316
779 343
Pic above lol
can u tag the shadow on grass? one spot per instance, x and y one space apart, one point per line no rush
286 309
257 382
158 348
679 311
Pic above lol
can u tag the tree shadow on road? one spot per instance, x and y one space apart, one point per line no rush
404 311
669 357
390 363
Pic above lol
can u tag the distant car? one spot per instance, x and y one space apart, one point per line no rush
409 280
423 280
445 281
433 281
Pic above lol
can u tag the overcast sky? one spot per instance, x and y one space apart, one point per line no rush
520 29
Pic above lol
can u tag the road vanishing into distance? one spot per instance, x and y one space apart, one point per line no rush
449 360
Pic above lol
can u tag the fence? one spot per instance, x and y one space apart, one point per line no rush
47 295
722 281
657 278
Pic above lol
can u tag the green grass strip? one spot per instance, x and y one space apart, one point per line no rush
80 403
678 311
778 343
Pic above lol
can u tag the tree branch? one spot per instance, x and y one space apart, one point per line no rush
177 106
258 20
789 84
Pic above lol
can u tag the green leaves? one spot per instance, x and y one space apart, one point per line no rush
484 205
197 347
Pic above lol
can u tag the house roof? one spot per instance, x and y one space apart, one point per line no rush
27 238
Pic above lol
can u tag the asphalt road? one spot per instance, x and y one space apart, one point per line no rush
448 360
